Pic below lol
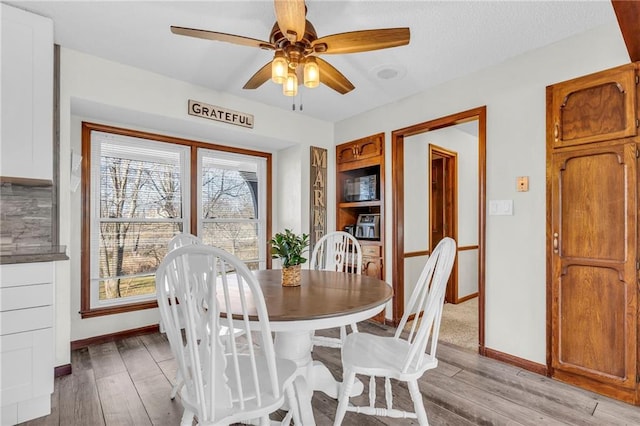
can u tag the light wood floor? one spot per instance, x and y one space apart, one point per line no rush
127 382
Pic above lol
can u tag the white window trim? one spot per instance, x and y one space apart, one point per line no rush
97 138
262 196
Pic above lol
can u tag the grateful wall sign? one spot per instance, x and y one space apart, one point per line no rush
212 112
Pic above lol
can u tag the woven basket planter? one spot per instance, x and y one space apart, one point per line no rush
291 276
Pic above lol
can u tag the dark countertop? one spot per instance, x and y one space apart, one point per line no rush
32 254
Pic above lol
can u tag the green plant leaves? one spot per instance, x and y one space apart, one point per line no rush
289 247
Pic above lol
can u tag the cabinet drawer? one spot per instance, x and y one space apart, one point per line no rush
26 296
26 319
26 274
371 251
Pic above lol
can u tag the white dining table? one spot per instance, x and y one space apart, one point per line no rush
323 300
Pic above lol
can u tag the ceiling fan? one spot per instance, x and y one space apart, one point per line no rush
297 49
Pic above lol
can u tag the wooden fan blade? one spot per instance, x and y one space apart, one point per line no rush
290 15
333 78
259 78
361 41
216 36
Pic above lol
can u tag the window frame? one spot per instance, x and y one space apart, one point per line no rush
86 310
262 198
183 162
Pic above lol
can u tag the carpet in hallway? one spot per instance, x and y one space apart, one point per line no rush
459 325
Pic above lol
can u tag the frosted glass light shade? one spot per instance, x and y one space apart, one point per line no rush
279 68
290 86
311 73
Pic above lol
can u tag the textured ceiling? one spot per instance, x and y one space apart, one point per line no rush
448 39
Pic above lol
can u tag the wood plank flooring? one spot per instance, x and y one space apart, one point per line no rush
127 382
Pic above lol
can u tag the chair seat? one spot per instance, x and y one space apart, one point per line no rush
365 353
286 370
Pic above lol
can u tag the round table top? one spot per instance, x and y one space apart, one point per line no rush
324 299
321 294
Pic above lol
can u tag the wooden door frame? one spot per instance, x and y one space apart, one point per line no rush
450 176
397 191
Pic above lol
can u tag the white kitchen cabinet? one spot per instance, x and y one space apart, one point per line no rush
26 141
26 341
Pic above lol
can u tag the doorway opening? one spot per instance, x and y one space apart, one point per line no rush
443 206
407 234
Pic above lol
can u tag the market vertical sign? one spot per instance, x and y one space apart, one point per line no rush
212 112
318 191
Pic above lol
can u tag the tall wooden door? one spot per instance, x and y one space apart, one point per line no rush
594 268
443 206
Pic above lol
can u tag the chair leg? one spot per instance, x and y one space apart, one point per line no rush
416 397
176 388
343 334
294 407
348 378
187 418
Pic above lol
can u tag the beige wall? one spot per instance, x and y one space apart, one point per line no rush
101 91
514 93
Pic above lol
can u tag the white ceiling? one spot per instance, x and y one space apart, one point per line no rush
448 39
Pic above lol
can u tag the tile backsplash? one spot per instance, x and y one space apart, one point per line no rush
25 216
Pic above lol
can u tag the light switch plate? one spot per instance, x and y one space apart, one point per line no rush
501 207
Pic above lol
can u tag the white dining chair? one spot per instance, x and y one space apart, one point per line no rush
181 240
403 358
222 385
336 251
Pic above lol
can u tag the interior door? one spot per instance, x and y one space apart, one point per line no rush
437 200
594 275
443 207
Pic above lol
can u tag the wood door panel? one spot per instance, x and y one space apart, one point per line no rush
596 107
590 186
346 153
596 110
437 201
370 148
361 149
594 214
590 319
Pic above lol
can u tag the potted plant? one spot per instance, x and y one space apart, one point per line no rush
289 248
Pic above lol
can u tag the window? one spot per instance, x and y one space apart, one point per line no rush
232 205
138 196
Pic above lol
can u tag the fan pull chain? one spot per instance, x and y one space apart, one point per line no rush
293 104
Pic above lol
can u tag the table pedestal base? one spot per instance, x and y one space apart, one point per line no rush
312 375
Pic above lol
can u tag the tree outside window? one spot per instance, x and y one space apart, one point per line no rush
139 193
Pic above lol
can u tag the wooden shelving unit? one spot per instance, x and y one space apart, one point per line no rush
355 160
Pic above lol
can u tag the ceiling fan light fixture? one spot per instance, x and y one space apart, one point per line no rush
279 68
311 73
294 39
290 86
